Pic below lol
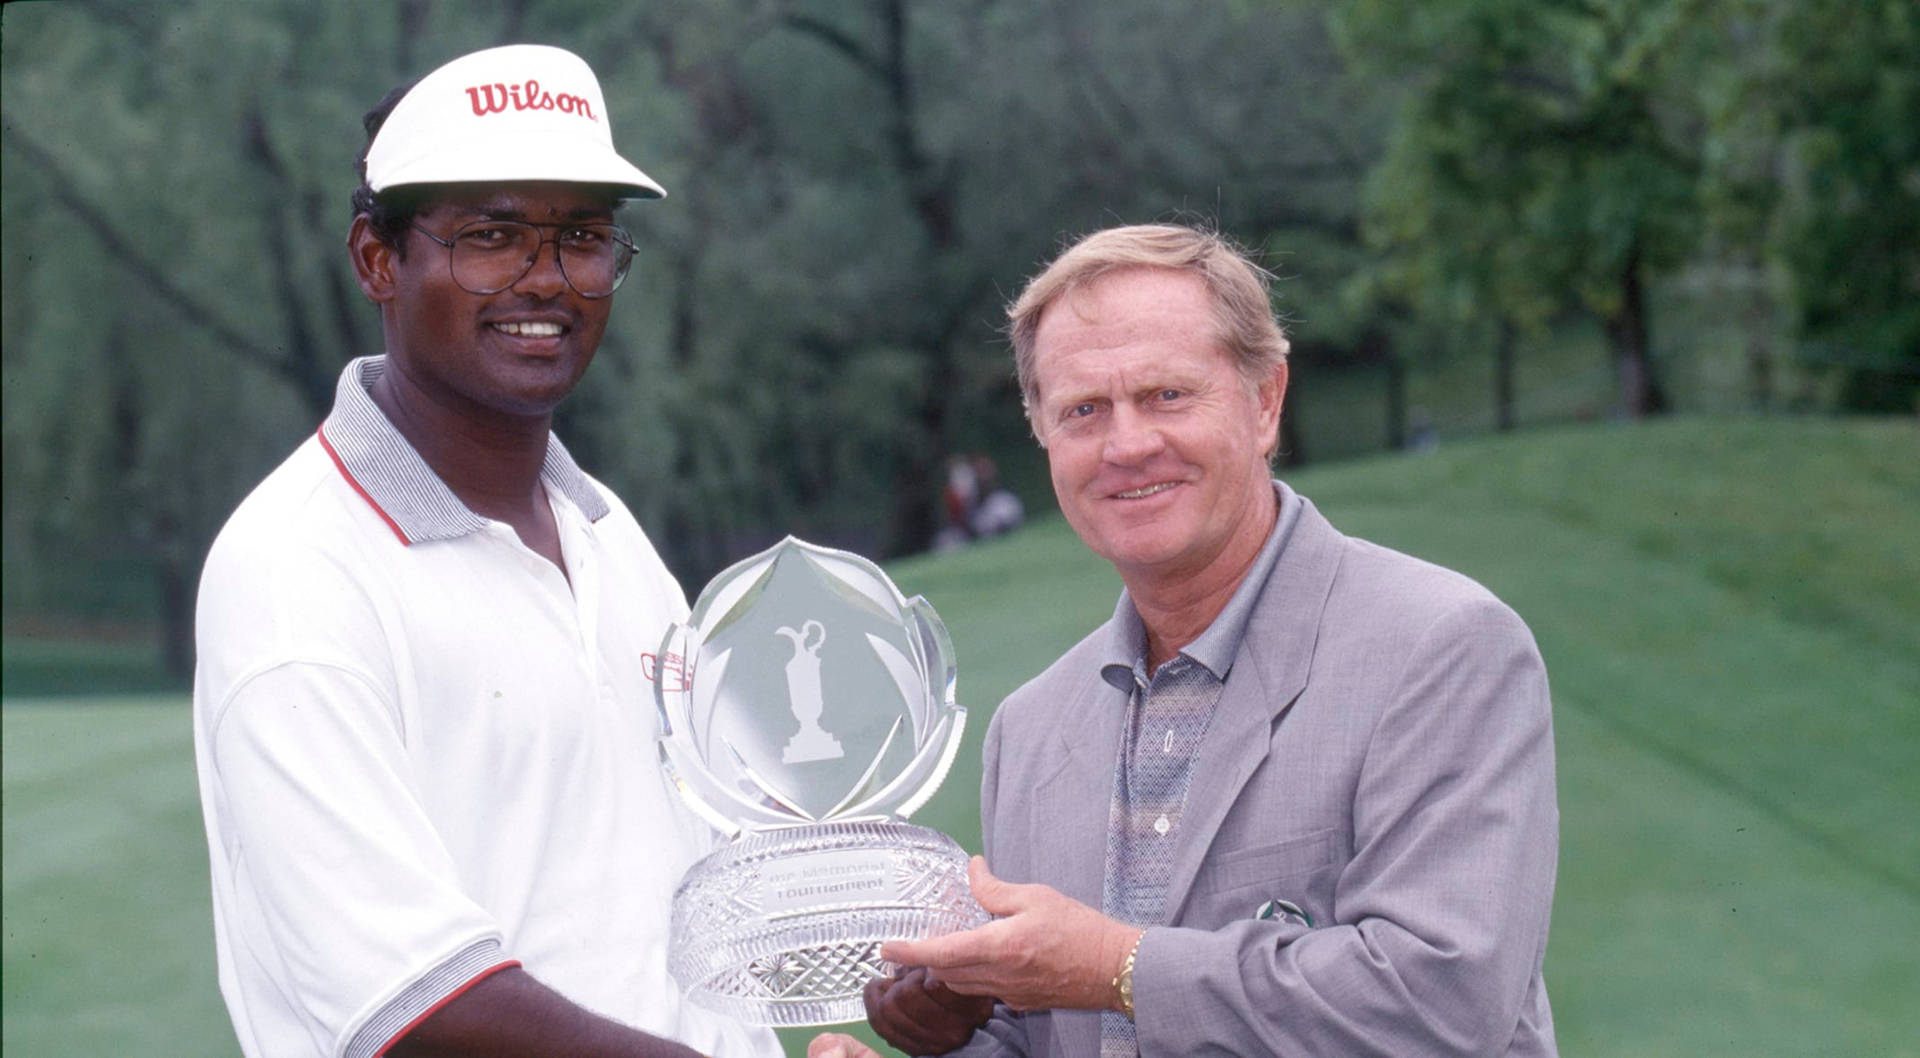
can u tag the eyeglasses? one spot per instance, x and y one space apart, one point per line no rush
488 256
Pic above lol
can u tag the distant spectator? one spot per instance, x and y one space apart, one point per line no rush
974 504
999 511
959 500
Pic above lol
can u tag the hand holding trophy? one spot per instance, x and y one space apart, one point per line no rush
806 709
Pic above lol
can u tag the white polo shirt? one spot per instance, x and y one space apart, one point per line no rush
425 755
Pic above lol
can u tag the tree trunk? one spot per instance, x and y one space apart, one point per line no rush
1760 337
1503 420
1760 372
311 371
914 517
1627 331
1293 445
1396 403
176 616
931 191
413 27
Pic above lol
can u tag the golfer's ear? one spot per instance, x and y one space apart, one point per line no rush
373 260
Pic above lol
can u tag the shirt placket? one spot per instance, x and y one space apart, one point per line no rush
583 572
1165 725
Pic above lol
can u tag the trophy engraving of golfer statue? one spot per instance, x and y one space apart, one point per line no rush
803 687
806 709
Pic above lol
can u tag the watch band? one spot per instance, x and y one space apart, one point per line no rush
1123 982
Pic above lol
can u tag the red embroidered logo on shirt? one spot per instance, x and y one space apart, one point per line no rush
496 97
672 671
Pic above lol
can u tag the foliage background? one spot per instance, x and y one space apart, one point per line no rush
1485 216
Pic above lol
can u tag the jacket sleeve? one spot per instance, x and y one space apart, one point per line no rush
1443 908
1005 1033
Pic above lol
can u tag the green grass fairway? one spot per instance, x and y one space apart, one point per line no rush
108 929
1730 611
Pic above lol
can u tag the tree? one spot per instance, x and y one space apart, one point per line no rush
1847 230
1546 158
872 181
177 305
138 438
813 319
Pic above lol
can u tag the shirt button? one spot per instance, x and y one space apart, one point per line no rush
1161 825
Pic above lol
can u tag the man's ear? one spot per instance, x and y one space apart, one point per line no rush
1269 395
373 261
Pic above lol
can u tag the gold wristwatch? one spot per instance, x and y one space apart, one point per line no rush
1124 981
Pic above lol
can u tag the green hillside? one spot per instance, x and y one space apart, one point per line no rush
1730 611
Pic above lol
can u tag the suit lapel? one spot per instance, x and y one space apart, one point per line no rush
1071 854
1269 672
1069 835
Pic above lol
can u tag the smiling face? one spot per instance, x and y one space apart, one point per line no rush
514 353
1156 443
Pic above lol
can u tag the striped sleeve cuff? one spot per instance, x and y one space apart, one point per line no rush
433 990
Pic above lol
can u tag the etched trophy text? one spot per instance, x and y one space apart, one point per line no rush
805 882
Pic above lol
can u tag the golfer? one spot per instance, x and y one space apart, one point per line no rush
422 708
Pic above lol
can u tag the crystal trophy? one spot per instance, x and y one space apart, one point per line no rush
806 709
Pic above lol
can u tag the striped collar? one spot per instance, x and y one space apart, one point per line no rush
1123 655
389 474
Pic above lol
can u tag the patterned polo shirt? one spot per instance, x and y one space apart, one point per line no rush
1168 713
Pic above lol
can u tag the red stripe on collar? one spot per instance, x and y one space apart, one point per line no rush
348 474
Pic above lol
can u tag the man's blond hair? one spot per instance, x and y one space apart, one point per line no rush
1238 288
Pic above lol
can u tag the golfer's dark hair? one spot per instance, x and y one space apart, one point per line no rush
391 212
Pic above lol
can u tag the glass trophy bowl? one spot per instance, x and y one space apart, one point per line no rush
806 709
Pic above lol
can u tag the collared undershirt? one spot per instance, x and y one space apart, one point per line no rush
1168 713
388 472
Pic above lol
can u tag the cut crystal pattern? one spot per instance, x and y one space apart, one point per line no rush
806 708
808 966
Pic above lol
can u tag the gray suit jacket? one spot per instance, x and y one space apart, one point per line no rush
1381 756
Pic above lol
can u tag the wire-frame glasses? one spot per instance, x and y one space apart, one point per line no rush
488 256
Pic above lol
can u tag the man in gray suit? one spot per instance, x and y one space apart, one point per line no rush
1297 796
